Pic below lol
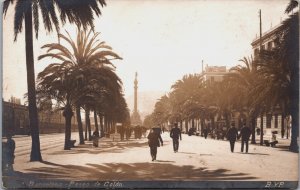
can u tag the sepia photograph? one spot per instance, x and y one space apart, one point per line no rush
149 94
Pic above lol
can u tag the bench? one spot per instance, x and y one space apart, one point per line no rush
268 143
273 144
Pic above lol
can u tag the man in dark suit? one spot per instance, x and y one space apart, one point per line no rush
232 135
175 134
245 134
154 139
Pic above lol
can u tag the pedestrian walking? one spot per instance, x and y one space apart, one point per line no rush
175 134
154 141
245 134
282 133
9 154
96 139
205 132
232 135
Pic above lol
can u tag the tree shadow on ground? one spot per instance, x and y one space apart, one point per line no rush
165 161
285 148
107 147
50 163
253 153
136 171
205 154
186 152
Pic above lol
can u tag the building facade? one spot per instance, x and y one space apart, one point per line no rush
267 40
214 73
15 119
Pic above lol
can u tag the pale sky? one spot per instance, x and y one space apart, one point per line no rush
162 40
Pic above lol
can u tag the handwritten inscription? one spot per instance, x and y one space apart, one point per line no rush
75 184
113 184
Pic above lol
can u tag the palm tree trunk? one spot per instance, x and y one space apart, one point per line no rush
202 125
186 126
79 122
110 126
35 154
193 123
86 131
213 122
88 123
282 124
68 118
294 62
101 123
261 129
295 107
253 126
96 121
295 130
105 124
181 123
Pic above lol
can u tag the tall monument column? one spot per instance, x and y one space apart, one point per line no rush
135 117
135 92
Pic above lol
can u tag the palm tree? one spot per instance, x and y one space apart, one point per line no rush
244 77
280 68
186 98
86 53
78 12
162 110
220 95
290 52
101 84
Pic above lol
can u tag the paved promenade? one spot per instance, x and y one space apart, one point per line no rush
197 159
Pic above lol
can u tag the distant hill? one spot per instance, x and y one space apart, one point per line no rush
146 102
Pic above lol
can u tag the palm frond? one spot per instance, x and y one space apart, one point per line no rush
21 8
6 4
52 55
292 5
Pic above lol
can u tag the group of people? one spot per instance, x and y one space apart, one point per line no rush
155 140
232 136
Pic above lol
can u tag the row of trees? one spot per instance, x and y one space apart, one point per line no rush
264 84
59 82
83 77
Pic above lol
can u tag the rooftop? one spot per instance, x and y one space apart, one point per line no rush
267 34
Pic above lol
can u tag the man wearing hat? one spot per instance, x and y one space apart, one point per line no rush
175 134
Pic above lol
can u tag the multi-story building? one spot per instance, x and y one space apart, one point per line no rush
214 73
267 40
271 121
